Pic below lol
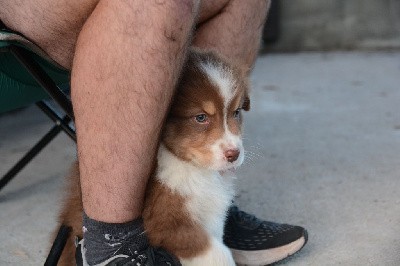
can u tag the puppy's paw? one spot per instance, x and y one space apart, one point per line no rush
216 255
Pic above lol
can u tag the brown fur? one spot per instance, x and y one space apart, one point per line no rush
168 225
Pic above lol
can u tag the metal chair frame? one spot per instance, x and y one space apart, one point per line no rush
61 124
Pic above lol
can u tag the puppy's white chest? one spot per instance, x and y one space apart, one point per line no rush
210 201
208 194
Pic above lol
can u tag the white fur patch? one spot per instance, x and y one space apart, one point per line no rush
222 78
226 142
209 194
217 255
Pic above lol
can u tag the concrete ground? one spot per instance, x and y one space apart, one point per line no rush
324 152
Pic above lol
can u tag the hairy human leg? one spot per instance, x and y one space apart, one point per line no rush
233 28
127 60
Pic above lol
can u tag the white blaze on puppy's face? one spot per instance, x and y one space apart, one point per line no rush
204 126
222 77
225 82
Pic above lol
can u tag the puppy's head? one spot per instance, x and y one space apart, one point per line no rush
204 125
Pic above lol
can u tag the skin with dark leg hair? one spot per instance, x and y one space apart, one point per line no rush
126 110
235 31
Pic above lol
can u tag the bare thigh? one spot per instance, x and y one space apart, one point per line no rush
54 25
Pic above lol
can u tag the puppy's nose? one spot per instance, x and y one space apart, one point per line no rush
232 155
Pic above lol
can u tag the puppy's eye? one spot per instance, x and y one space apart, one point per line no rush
236 114
201 118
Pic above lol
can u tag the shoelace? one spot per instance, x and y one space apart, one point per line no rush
244 218
151 254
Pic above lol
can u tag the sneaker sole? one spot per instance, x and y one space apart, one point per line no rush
268 256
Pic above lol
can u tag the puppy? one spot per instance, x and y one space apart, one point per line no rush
191 189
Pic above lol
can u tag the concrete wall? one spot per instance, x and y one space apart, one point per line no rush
338 24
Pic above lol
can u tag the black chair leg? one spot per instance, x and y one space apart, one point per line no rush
61 124
29 156
58 95
58 246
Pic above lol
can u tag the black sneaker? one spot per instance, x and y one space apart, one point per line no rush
256 242
128 255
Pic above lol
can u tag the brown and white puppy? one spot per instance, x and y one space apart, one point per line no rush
191 188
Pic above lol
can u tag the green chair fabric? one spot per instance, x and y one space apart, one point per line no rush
17 87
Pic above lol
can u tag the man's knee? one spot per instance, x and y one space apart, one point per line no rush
53 25
170 21
179 11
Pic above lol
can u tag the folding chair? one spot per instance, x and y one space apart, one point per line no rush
28 75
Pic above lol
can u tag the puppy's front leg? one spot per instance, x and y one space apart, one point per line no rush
216 255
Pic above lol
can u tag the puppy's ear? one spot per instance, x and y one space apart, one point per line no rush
246 84
246 102
244 73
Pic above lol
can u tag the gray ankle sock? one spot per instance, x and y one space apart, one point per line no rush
105 240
